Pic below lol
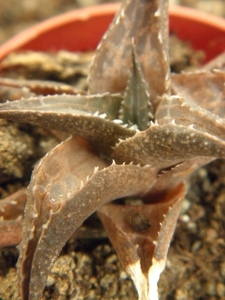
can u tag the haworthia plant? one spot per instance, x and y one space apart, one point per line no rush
138 132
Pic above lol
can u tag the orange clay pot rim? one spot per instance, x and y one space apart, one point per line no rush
83 14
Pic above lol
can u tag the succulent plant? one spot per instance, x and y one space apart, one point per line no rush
138 133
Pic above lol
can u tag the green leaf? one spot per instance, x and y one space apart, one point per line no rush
136 107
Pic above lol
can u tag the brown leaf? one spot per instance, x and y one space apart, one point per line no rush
144 23
61 195
141 235
204 88
163 146
78 115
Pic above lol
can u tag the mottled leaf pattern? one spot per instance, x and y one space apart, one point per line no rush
144 23
183 112
141 235
82 179
72 114
107 105
204 88
168 180
118 152
163 146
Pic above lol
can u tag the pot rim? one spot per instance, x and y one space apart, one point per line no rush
83 14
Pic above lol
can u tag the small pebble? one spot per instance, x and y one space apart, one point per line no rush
192 225
123 275
211 288
185 218
196 246
211 234
186 204
220 289
112 259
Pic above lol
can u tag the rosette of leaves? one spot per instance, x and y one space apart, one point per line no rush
138 133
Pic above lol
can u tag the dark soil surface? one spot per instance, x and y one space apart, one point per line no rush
88 267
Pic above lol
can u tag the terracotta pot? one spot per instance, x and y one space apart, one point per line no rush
81 30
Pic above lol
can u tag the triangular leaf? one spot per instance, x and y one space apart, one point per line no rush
183 112
141 235
77 115
61 195
206 89
136 107
144 23
163 146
